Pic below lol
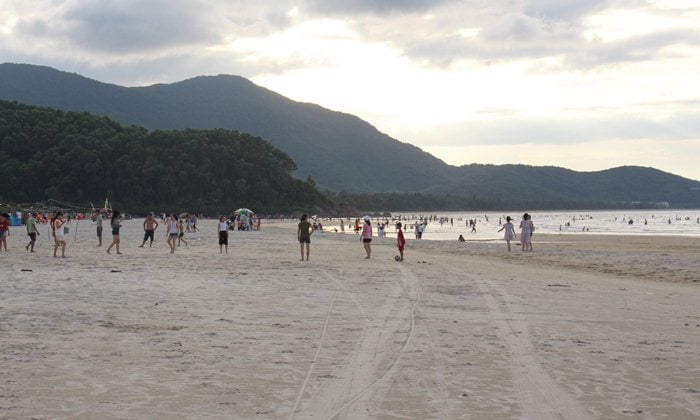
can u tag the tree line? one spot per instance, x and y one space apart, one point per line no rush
83 158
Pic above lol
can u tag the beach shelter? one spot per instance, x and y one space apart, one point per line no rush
244 211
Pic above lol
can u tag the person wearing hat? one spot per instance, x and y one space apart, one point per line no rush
367 236
509 234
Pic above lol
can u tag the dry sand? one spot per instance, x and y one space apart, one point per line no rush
584 327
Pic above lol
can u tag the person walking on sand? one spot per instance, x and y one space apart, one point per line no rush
400 240
181 233
115 225
509 233
4 230
367 236
32 231
98 222
60 230
150 224
304 232
173 232
526 233
223 234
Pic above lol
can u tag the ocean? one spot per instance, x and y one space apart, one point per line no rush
608 222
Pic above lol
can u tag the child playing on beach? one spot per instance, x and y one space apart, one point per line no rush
304 235
509 234
400 240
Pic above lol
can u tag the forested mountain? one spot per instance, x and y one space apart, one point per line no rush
341 152
78 157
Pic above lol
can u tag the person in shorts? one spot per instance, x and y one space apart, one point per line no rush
4 229
304 235
149 227
32 231
223 234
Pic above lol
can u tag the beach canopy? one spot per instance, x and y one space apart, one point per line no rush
244 211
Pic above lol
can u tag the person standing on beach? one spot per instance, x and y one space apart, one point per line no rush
223 234
367 236
60 238
342 226
400 240
304 232
149 227
173 232
32 231
4 229
116 240
509 234
98 222
526 233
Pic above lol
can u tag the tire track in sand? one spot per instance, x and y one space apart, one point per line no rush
539 396
370 402
359 381
321 340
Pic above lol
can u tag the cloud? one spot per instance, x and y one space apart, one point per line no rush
124 26
381 8
564 128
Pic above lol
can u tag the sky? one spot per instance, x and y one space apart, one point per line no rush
583 84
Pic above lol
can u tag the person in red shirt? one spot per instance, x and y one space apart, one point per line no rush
400 240
4 229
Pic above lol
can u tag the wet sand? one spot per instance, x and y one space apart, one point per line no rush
583 327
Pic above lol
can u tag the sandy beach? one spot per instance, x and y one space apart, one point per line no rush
584 327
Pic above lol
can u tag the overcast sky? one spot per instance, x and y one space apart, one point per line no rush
584 84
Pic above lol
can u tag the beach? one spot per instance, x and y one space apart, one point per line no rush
583 327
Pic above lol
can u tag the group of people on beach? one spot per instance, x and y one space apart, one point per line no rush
526 230
305 230
176 227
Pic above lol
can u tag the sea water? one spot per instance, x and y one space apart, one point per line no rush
610 222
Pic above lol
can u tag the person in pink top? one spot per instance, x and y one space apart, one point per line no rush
367 236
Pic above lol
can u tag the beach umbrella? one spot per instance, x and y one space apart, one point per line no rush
244 211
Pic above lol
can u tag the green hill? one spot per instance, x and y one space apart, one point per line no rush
81 158
341 152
